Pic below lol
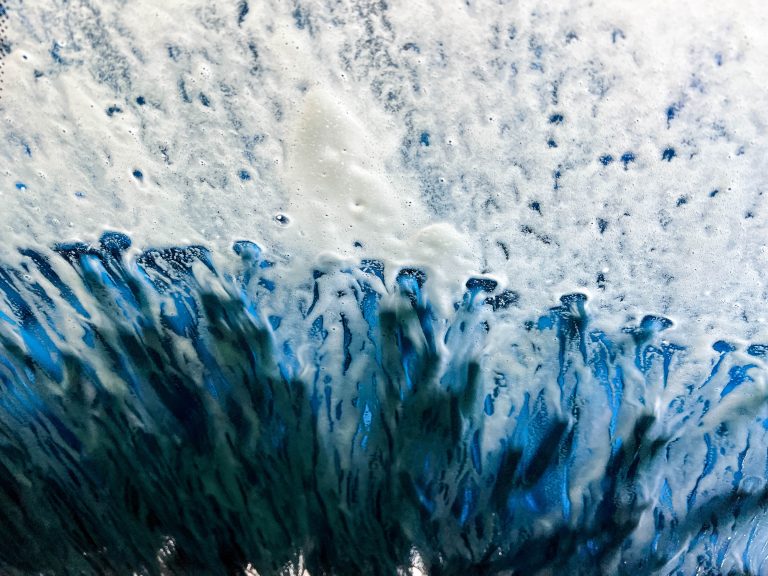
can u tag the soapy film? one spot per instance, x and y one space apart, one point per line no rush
162 413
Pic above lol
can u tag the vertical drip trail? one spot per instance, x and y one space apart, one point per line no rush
161 413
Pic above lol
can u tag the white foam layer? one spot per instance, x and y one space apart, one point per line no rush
428 134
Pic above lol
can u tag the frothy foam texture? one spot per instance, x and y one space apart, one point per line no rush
609 149
452 168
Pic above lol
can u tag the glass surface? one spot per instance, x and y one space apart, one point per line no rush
448 287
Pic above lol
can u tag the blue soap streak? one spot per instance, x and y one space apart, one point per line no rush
175 406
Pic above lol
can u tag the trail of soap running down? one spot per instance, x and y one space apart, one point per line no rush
162 414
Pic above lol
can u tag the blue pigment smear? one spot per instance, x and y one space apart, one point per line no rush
627 158
161 416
